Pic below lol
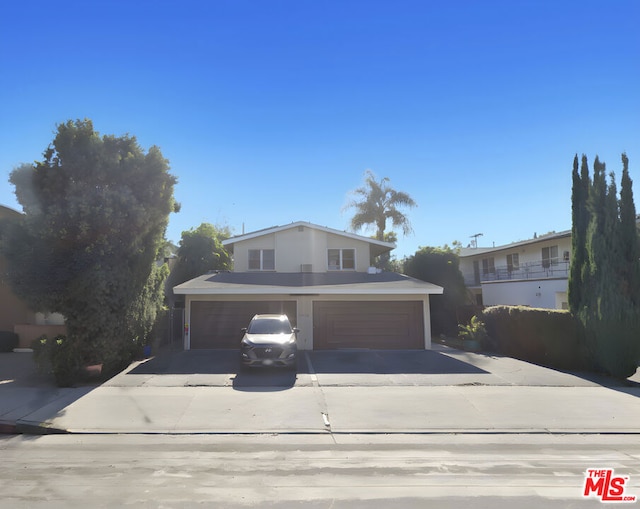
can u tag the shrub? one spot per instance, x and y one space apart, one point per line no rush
474 331
59 356
8 341
549 337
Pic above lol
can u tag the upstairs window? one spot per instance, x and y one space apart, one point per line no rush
488 266
342 259
549 256
513 262
262 259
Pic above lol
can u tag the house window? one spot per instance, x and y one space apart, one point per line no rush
262 259
488 266
513 262
549 256
342 259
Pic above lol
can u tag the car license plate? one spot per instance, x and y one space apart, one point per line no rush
267 362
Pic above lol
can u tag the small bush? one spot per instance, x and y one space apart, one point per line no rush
545 336
474 331
59 356
8 341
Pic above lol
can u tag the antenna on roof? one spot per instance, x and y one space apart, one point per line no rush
474 242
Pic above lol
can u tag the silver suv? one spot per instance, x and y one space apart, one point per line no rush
269 340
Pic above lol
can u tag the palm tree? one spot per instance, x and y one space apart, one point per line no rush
379 202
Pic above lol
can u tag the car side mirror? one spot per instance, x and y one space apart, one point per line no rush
244 329
296 330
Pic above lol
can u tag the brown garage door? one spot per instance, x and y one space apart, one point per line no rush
218 324
363 324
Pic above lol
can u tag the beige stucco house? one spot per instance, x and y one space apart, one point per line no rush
322 279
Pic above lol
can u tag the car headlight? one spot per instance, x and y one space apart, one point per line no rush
246 342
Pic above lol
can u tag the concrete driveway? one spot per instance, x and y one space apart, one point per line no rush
439 391
441 366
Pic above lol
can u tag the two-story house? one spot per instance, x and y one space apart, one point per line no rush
322 279
532 273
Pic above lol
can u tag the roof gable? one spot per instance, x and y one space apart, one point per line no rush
378 246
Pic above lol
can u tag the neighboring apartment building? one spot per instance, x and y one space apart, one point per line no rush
15 315
322 279
532 273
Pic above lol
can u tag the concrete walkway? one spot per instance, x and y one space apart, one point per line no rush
333 392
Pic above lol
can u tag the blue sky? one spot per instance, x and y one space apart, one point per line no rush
270 111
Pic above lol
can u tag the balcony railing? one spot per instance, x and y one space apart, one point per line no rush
550 269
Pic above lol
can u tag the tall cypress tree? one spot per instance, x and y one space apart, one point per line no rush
607 305
629 237
580 218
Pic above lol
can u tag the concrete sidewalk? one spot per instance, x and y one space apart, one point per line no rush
172 395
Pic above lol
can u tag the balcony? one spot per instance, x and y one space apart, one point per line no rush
548 269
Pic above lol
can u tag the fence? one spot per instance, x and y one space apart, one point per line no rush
548 269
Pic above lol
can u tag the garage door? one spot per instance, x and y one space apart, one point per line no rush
385 325
218 324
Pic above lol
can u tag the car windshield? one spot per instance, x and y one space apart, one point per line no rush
269 326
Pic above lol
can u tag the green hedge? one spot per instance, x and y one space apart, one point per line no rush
544 336
8 341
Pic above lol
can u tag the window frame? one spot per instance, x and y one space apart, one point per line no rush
488 265
341 259
262 267
550 260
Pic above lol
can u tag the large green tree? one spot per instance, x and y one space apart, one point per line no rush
199 252
603 290
95 213
376 203
440 266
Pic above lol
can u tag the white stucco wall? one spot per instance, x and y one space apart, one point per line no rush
241 251
547 293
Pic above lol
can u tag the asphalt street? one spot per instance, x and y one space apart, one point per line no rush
317 471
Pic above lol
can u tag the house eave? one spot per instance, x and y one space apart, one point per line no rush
314 290
471 252
306 284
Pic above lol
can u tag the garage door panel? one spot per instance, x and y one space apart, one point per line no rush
364 324
346 324
217 324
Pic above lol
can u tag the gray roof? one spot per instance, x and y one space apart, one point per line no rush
306 283
471 251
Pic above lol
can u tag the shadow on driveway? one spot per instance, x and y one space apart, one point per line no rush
219 362
327 361
222 367
388 362
29 398
264 380
191 362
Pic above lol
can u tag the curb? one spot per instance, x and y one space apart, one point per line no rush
37 428
8 428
